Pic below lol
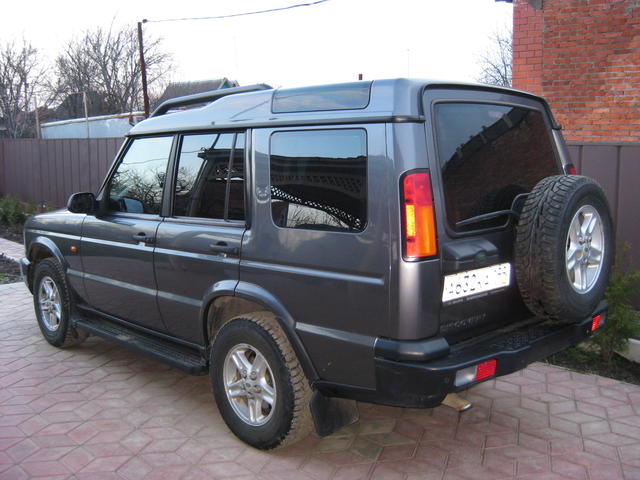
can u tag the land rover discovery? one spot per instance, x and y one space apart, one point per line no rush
391 241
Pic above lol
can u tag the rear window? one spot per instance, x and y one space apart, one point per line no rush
488 155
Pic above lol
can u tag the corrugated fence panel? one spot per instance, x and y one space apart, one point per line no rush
48 171
3 174
629 198
601 163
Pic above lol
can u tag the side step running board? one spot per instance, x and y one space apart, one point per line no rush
177 356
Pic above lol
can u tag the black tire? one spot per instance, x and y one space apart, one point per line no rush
289 419
64 334
546 282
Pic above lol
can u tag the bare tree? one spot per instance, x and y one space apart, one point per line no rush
496 61
20 77
105 64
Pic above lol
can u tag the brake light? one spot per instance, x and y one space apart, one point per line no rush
595 322
486 369
418 219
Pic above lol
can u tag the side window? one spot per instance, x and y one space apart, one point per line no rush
210 177
137 184
319 179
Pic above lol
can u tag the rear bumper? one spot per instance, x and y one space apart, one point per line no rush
425 384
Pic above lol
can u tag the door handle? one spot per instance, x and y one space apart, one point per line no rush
143 237
222 247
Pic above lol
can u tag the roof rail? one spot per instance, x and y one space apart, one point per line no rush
203 97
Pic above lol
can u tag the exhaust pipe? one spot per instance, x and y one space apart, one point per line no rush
457 403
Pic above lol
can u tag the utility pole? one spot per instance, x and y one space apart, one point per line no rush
35 101
143 70
86 112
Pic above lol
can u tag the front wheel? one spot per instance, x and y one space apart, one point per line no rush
52 302
258 383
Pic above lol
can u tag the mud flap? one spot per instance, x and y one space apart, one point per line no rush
331 414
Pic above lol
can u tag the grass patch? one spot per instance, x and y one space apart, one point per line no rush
587 360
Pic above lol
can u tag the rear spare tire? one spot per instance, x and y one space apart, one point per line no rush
564 247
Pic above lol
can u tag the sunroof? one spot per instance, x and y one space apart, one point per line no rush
345 96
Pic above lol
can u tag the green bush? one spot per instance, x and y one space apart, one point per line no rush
13 212
623 321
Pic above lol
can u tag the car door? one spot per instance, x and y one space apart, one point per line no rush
198 243
117 243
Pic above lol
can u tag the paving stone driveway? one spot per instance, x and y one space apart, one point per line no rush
100 412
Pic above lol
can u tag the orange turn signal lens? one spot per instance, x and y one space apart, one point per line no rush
418 217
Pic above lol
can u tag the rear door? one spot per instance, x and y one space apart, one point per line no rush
117 244
490 149
198 244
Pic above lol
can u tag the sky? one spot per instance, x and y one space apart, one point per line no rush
329 42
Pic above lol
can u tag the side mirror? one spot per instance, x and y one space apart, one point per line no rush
83 202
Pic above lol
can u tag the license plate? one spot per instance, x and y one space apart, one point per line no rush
473 282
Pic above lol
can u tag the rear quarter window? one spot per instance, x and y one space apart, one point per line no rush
319 179
488 155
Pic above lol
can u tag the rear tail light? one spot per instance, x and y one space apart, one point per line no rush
418 219
595 322
475 373
570 169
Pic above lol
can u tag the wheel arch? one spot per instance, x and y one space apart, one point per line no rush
39 249
229 299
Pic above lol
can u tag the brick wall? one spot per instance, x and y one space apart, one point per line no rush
584 57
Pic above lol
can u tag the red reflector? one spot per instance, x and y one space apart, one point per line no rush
485 370
595 322
417 216
572 170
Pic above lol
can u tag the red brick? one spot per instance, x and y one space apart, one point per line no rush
575 50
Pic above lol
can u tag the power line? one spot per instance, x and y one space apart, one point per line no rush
309 4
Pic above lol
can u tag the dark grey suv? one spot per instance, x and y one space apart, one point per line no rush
391 241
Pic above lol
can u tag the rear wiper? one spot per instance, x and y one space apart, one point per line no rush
486 216
514 211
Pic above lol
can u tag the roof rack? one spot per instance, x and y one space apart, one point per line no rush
203 97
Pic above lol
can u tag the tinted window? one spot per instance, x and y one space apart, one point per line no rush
208 174
346 96
489 154
319 179
137 184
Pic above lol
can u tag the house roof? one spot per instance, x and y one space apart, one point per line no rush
180 89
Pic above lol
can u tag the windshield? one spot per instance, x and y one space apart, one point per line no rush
488 155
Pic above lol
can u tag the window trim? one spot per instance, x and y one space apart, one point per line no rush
366 178
170 183
104 194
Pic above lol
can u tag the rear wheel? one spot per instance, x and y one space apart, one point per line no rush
258 383
564 247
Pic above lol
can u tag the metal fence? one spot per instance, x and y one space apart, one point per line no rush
48 171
